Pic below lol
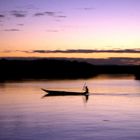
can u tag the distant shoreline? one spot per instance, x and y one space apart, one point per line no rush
95 61
59 69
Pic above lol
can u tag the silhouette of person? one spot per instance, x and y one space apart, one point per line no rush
86 89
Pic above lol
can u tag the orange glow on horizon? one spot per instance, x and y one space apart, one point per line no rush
70 55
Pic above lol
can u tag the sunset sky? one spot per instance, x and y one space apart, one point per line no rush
70 28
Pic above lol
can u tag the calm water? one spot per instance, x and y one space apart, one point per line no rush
112 111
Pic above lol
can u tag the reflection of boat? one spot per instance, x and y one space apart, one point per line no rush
64 93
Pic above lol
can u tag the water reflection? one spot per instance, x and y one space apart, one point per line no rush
85 97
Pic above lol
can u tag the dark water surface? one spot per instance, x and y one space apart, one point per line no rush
111 113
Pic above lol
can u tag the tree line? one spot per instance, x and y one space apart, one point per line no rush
59 69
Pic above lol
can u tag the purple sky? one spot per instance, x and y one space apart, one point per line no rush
69 24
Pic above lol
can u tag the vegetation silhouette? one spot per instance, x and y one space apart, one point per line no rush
59 69
44 69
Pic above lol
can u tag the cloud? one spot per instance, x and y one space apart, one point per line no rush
87 51
2 16
11 30
78 50
39 51
18 14
39 14
50 13
88 8
61 16
20 24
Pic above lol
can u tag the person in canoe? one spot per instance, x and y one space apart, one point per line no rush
85 88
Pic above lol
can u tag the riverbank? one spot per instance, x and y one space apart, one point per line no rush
59 69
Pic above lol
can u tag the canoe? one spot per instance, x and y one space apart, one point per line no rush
63 93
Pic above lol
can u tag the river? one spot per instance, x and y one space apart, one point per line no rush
112 111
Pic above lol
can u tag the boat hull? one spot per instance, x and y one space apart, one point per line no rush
63 93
